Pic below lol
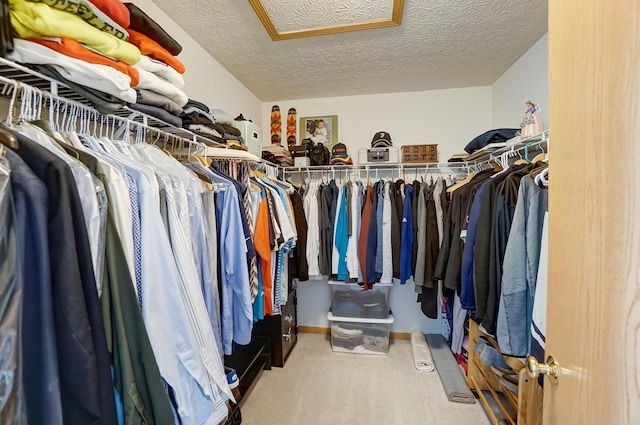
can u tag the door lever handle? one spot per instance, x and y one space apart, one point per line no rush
550 368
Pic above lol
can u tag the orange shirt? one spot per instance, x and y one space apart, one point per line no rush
115 10
263 249
149 47
72 48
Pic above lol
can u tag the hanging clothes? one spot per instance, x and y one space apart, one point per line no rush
452 257
484 263
372 241
505 201
83 357
109 237
414 215
341 236
520 269
467 291
363 242
354 230
379 187
388 230
420 223
325 197
406 250
11 281
262 241
539 314
396 191
429 298
299 268
38 331
312 212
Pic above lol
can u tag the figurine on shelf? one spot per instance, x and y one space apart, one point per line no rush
530 125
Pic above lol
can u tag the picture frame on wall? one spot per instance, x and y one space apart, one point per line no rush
321 129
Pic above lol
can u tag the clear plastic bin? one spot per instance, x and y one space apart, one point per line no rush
360 336
349 300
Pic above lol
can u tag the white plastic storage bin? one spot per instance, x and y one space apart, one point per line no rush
360 336
251 135
349 300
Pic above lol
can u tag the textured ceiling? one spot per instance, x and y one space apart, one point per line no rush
297 15
440 44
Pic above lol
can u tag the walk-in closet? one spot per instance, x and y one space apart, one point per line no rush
319 212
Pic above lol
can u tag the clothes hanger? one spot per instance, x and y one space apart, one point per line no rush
8 139
520 161
542 156
463 182
541 179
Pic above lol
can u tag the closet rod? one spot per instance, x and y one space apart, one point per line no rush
433 167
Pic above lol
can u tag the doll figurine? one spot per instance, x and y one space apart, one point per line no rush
530 124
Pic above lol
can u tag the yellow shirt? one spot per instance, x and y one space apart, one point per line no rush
37 20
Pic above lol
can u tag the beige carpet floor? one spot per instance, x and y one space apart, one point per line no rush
320 387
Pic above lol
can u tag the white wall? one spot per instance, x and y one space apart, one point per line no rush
527 79
206 80
449 118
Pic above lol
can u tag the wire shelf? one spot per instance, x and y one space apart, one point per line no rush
23 75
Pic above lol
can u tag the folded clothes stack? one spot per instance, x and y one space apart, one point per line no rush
348 339
160 90
213 124
278 155
109 52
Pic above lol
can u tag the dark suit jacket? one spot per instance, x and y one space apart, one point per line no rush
40 374
298 268
84 363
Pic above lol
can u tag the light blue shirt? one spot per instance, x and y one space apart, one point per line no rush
237 311
181 360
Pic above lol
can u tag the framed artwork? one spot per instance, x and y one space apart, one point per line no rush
321 129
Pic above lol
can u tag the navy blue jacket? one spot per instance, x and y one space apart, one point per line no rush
491 136
406 242
84 363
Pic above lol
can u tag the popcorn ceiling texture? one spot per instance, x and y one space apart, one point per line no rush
440 44
296 15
